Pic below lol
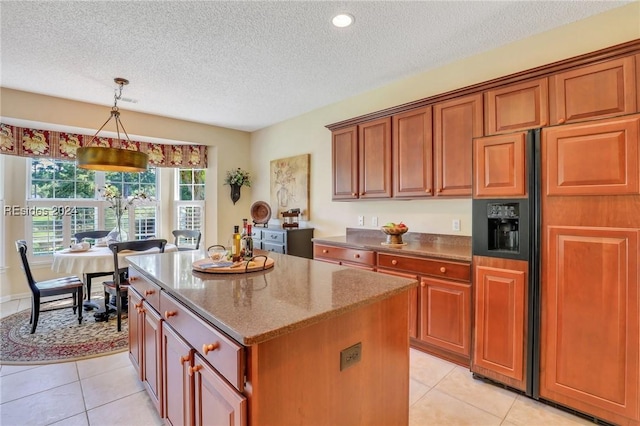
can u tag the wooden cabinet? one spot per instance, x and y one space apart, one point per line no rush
413 300
499 166
177 358
357 258
501 320
444 303
456 123
361 161
144 340
601 90
517 107
291 241
412 144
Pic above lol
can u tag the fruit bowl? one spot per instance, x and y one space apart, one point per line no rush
394 232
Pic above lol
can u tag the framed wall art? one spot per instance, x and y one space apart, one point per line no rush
289 185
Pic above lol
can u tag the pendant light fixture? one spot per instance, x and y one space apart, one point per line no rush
112 159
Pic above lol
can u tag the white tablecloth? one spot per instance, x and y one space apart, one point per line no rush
97 259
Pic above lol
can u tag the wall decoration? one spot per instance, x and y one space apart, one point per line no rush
289 185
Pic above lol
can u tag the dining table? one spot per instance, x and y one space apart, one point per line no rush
93 262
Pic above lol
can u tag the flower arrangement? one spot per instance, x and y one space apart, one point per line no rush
118 203
238 177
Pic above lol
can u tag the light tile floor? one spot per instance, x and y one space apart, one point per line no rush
106 391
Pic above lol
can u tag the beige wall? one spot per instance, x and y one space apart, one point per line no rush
228 149
307 133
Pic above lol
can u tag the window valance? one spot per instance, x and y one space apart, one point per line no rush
25 142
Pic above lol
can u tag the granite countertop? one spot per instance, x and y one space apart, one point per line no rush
259 306
449 247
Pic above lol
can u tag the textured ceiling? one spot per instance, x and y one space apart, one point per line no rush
247 65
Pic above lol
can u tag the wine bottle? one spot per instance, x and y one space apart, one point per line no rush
248 244
244 226
235 247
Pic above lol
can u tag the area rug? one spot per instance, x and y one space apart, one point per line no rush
59 338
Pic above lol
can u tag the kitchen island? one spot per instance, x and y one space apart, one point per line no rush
305 342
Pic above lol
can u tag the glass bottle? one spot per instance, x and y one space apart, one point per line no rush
244 226
248 244
235 247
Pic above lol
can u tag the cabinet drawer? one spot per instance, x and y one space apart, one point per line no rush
227 356
148 290
277 237
423 266
365 257
256 234
276 248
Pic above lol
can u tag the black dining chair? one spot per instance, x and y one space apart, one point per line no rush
189 236
55 287
120 285
92 236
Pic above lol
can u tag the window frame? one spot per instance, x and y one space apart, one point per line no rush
179 203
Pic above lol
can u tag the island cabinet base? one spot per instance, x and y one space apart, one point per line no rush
296 379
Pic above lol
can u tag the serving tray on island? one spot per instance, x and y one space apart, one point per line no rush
257 263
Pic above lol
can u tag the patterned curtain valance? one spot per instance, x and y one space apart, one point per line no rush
25 142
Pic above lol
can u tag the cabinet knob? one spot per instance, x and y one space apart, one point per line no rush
325 251
140 310
562 121
544 123
149 292
423 284
356 256
194 369
138 305
439 190
185 358
168 314
428 191
133 278
362 193
443 269
210 347
394 262
354 194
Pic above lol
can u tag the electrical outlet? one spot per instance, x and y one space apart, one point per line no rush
350 355
455 225
360 220
374 221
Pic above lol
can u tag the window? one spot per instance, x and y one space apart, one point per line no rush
64 199
190 185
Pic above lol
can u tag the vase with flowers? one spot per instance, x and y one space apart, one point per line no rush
119 204
237 179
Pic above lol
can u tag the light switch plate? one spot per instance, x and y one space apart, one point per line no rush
360 220
374 221
455 225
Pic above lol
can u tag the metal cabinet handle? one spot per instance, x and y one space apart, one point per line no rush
206 348
168 314
194 369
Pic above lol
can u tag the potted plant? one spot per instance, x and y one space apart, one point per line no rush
237 179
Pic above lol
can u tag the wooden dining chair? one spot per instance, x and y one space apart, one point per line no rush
55 287
87 278
189 235
120 284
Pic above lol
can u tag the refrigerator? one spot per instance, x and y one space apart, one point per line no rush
556 248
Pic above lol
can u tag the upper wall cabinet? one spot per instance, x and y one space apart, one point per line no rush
344 151
601 90
362 161
456 123
517 107
412 154
499 166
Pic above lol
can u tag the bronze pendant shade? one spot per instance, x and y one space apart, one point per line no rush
112 159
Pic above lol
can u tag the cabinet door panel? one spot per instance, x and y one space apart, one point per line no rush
600 90
445 319
151 364
344 151
413 154
456 123
590 320
595 158
374 149
499 166
215 401
500 288
517 107
135 330
177 393
413 301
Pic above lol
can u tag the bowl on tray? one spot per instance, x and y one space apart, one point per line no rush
394 232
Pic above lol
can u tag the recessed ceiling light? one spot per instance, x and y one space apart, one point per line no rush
342 20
